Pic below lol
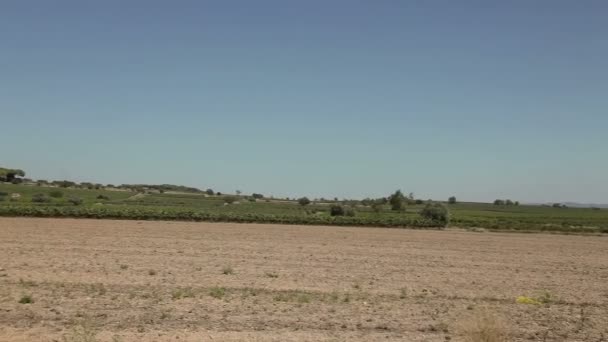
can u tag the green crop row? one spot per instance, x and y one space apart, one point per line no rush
129 213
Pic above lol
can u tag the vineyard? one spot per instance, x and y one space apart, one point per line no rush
41 201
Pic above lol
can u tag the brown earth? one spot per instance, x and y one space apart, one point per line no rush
165 281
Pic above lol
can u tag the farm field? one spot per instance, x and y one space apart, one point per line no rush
103 203
111 280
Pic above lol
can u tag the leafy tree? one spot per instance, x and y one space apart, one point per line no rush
303 201
257 196
509 202
238 192
209 192
10 175
436 212
419 201
499 202
516 203
396 200
452 200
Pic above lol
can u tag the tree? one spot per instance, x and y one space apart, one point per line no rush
452 200
396 200
304 201
210 192
10 175
436 212
516 203
509 202
257 196
499 202
238 192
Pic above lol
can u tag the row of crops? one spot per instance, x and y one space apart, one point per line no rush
177 214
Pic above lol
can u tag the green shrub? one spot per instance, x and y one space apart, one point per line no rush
75 200
230 199
396 200
436 212
56 194
339 210
103 197
303 201
40 198
336 210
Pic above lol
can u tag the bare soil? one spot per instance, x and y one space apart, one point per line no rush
92 280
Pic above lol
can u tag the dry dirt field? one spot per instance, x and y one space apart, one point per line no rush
91 280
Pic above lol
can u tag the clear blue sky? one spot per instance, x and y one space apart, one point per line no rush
478 99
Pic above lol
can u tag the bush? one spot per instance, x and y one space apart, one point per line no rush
257 196
339 210
2 198
2 193
103 197
75 200
41 198
210 192
304 201
436 212
396 200
56 194
336 210
230 199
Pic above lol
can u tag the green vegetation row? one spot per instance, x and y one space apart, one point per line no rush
174 214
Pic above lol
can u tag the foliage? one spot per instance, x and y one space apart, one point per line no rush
499 202
10 175
230 199
452 200
303 201
257 196
436 212
396 200
41 198
336 210
56 194
158 187
75 200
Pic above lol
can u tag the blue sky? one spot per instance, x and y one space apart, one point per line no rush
478 99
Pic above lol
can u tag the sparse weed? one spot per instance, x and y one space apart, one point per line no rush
272 275
227 270
82 333
182 293
26 299
124 267
151 272
483 327
217 292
